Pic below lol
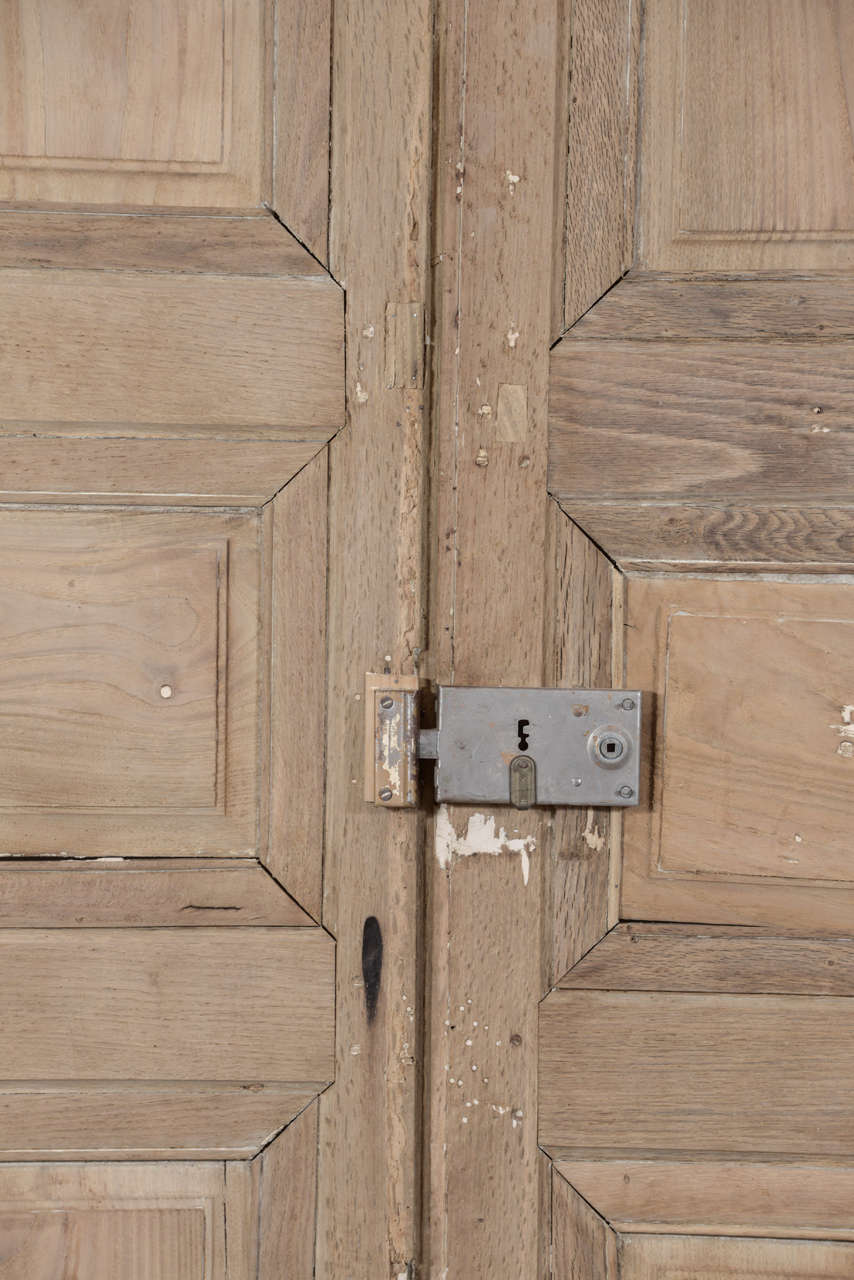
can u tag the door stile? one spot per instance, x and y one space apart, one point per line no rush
368 1190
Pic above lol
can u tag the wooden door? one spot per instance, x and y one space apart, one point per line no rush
695 1052
176 862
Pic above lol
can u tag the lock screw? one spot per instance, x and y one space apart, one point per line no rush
386 793
628 704
386 703
523 764
626 792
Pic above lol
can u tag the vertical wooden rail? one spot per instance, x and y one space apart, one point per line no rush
495 140
368 1210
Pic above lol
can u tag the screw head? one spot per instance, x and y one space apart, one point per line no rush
628 704
523 764
576 782
386 703
626 792
386 793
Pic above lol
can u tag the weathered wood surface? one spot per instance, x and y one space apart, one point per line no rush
297 551
583 1246
720 81
583 632
662 1072
596 161
724 1197
650 1257
167 1004
228 893
368 1204
748 961
706 842
490 598
288 1201
132 1120
158 354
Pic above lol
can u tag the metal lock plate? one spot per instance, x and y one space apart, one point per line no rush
537 746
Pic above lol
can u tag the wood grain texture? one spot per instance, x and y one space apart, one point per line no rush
748 961
583 1246
112 622
178 114
228 893
702 1258
683 537
301 119
248 245
144 1222
718 1198
776 687
602 111
288 1204
494 227
168 1004
60 468
368 1210
716 421
117 1120
122 353
658 307
297 641
579 647
632 1072
715 195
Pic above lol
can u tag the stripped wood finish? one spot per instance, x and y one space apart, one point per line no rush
718 1198
288 1201
583 1246
368 1204
491 594
659 1257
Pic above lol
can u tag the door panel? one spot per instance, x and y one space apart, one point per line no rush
694 1079
173 374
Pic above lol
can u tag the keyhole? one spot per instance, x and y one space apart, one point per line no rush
523 737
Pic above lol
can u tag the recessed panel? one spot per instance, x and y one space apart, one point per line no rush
112 652
115 80
749 779
746 157
129 682
703 1258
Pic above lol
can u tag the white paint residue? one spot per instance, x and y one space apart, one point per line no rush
846 729
591 835
513 180
480 837
361 394
512 337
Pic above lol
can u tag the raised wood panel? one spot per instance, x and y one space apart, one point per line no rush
742 423
178 112
72 893
702 1258
118 1120
242 245
750 752
746 960
197 472
718 1198
142 1222
759 176
638 1072
115 622
167 1004
126 353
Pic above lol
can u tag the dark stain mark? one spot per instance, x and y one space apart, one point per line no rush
195 906
372 964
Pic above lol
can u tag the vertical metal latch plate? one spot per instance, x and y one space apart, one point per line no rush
391 740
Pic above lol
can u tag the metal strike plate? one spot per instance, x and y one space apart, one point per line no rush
391 740
583 746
